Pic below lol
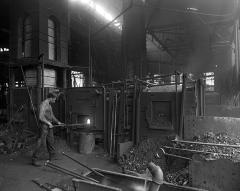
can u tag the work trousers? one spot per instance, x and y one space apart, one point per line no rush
45 140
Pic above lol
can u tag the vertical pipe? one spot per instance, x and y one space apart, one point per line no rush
202 97
64 78
9 93
182 106
11 87
124 103
39 84
197 97
138 115
134 112
237 46
176 100
43 77
105 133
89 55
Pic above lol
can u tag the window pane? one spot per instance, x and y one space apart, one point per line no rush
27 37
51 40
28 28
51 32
51 51
27 48
51 23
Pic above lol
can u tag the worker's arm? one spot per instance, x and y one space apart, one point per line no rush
55 120
42 116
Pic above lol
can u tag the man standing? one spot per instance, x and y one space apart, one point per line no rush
47 119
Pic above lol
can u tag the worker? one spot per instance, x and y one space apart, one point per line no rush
46 138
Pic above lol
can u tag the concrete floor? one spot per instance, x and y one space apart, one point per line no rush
16 171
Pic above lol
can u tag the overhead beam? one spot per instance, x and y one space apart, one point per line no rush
162 44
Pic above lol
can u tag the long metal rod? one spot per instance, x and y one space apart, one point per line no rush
209 144
70 125
63 170
92 170
89 56
43 68
41 185
195 151
66 171
181 126
105 133
237 45
115 125
111 123
30 98
176 99
176 156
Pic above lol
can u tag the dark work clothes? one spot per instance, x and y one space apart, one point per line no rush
46 140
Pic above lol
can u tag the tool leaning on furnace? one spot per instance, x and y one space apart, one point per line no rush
46 136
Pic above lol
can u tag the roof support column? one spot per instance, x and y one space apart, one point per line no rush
134 40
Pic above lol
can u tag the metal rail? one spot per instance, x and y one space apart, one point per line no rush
69 172
195 151
176 156
92 170
209 144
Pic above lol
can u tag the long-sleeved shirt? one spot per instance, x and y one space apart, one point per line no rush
46 114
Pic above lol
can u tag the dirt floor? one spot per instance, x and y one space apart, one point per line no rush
16 171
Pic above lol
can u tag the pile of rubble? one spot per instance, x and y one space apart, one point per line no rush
13 138
217 151
180 177
137 158
175 169
150 150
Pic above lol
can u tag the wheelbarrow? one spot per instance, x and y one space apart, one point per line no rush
115 181
103 180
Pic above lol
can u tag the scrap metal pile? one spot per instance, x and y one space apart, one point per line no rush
174 167
220 146
15 138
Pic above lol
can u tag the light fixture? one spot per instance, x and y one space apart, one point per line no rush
88 121
99 10
192 9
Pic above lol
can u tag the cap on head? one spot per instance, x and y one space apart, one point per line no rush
51 95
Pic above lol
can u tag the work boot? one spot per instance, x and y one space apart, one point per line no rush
36 163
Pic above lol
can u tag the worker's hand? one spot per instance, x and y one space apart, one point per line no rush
50 125
60 123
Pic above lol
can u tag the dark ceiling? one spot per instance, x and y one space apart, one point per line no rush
4 23
171 24
175 28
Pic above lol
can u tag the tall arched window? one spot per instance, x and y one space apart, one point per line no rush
52 39
27 37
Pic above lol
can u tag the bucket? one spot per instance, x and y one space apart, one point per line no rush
86 142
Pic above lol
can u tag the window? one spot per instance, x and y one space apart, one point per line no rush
27 37
52 39
209 81
78 79
4 49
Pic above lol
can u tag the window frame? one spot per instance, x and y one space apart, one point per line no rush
52 39
27 37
